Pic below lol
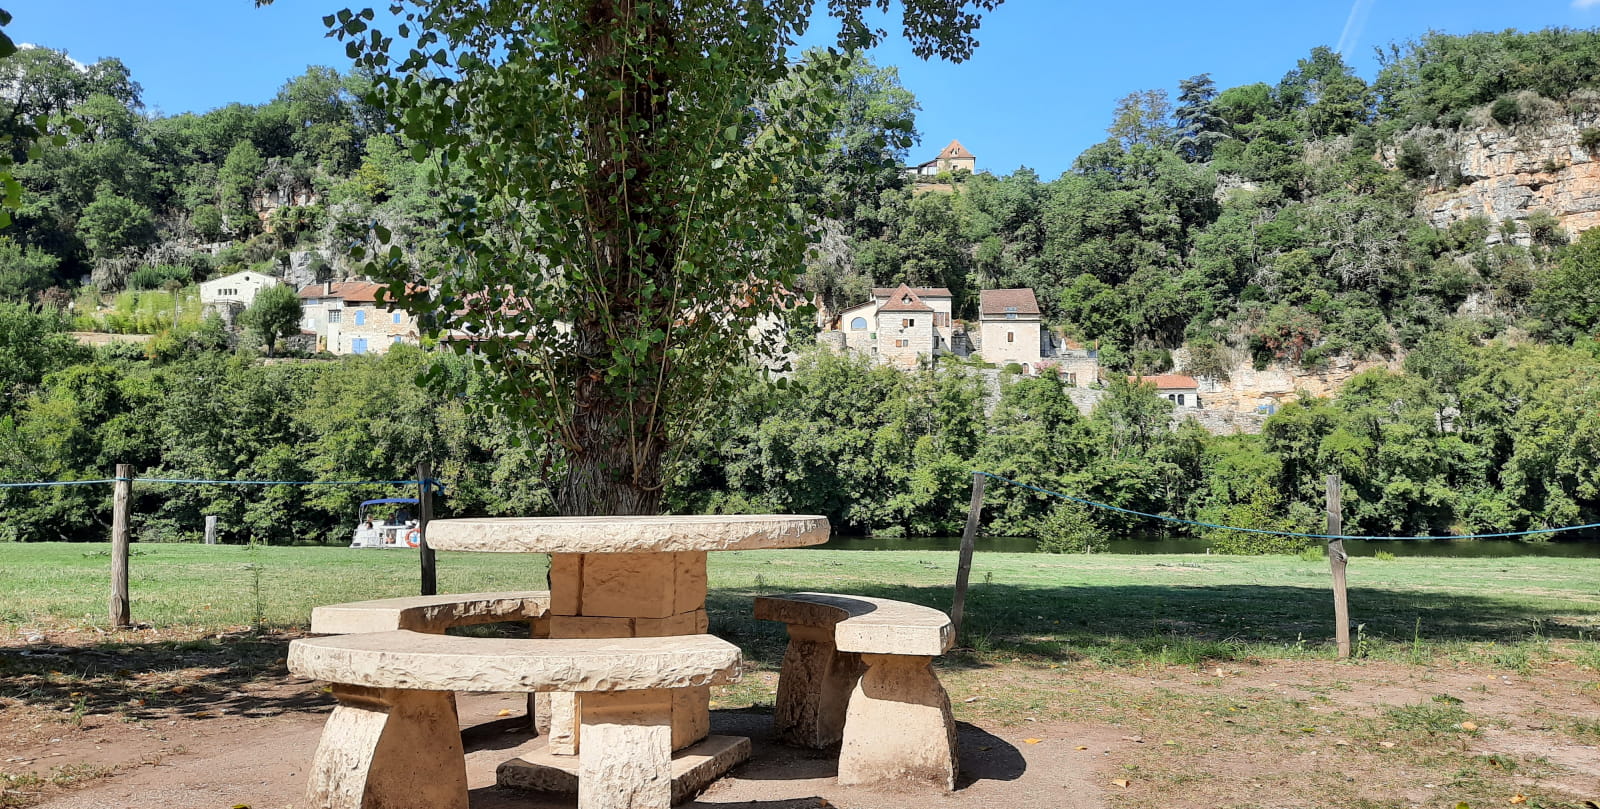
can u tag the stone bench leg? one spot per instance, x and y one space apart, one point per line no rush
814 688
898 725
539 702
625 761
388 748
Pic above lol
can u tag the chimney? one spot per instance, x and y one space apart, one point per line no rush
328 289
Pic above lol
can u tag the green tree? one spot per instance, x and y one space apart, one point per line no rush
274 314
113 225
610 174
236 185
24 270
1569 298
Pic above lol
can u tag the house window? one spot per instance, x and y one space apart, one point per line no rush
397 318
902 343
859 323
361 318
1011 337
335 315
358 345
908 322
397 338
1180 400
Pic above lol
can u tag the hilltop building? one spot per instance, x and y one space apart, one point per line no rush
955 156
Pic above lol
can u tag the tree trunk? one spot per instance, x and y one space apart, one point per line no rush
614 464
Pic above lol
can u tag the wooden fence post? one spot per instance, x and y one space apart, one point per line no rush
121 505
964 567
1338 559
430 573
211 529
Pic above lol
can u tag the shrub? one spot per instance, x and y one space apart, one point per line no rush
156 277
1412 161
1546 229
1589 139
1505 111
1070 528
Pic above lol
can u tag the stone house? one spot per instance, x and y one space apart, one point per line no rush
955 156
1010 328
1183 391
901 321
231 294
1078 364
347 319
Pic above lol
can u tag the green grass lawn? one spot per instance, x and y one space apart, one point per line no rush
1174 609
1212 659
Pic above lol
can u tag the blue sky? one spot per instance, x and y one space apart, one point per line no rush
1039 90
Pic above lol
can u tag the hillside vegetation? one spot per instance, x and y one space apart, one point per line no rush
1271 221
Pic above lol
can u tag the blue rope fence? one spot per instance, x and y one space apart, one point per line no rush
435 485
1198 524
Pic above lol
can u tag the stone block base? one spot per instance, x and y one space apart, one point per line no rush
693 769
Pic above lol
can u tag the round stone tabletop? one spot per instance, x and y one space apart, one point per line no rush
665 534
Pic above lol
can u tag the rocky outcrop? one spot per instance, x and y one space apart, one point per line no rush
1509 172
1249 391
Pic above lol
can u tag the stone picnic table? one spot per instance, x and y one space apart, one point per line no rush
628 577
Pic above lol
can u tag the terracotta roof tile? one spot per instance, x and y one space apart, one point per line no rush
954 150
903 299
1000 302
1167 381
921 292
347 291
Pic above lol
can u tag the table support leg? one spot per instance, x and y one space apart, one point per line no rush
626 758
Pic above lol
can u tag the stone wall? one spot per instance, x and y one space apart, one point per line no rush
1024 348
917 338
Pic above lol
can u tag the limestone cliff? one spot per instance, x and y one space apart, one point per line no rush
1510 171
1248 390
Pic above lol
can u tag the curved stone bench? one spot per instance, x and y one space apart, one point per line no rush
859 671
433 614
393 741
437 613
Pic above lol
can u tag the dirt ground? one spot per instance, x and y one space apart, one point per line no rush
1267 734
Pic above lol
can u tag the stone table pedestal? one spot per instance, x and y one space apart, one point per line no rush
622 577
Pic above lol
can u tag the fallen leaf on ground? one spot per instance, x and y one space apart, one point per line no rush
970 699
1519 798
504 712
1387 744
1120 782
1469 726
1032 741
1082 747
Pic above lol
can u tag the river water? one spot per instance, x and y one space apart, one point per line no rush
1480 548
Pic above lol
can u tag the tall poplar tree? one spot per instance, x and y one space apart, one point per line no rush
617 200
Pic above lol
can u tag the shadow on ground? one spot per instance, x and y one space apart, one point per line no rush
1113 622
238 673
1178 624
